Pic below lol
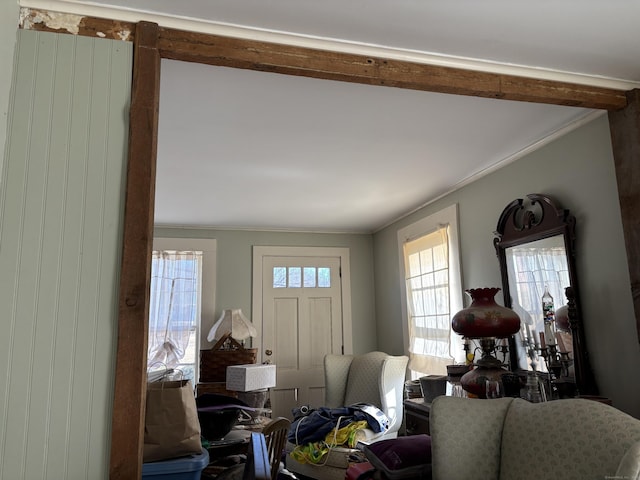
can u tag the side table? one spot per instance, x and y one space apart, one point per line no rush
416 416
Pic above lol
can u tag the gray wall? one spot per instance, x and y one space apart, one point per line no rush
60 234
234 281
577 169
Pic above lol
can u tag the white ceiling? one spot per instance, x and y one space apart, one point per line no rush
245 149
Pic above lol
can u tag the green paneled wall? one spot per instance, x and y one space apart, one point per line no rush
60 234
9 15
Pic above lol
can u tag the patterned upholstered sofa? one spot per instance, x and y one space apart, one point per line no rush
512 439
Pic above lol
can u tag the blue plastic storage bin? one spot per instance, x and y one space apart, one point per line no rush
183 468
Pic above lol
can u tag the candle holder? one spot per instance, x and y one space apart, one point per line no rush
504 350
559 383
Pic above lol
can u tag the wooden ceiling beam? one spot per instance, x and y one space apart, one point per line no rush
346 67
330 65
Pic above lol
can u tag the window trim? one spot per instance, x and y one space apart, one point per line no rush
424 226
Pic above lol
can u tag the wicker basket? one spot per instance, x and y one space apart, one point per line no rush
214 362
219 388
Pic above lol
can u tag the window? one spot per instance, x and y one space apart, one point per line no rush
432 292
180 297
301 277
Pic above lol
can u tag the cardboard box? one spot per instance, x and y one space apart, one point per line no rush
246 378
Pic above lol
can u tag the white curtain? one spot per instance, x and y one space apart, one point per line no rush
530 271
174 305
533 269
432 343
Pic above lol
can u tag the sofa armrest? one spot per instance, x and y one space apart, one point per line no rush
629 467
466 437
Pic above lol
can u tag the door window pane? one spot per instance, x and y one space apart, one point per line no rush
295 277
279 277
309 277
324 277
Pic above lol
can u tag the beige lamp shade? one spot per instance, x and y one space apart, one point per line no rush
234 322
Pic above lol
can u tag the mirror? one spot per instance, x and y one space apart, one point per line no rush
535 244
534 269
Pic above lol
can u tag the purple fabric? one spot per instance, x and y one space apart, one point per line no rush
215 408
400 453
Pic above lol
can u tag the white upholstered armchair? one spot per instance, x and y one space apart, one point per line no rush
375 378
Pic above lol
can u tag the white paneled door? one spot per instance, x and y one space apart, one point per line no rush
301 321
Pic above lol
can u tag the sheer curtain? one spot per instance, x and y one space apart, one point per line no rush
432 343
174 306
533 269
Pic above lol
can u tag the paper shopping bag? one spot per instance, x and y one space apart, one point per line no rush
171 425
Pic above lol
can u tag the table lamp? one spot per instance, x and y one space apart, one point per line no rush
487 321
234 322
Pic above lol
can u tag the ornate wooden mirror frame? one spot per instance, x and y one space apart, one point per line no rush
540 217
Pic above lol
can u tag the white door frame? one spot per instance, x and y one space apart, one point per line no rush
345 280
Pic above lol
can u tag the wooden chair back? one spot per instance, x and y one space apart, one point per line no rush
276 433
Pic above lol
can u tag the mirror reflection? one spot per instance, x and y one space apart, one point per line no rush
535 269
